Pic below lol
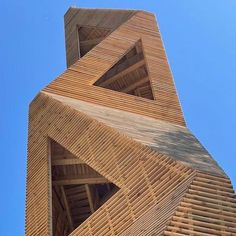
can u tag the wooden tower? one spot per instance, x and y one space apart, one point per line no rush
108 151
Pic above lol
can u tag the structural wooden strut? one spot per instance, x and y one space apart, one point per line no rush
123 73
62 162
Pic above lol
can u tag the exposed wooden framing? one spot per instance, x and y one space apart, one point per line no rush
108 187
62 162
49 152
141 90
138 49
67 208
77 42
123 73
90 41
96 199
90 198
88 180
135 85
130 61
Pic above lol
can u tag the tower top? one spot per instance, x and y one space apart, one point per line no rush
116 59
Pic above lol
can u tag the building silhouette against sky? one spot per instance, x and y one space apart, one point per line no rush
109 152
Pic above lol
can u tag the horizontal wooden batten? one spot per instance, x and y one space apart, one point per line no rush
63 162
135 85
90 41
89 180
124 72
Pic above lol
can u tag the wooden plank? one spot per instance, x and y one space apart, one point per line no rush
63 162
67 208
135 85
90 198
122 73
90 41
90 180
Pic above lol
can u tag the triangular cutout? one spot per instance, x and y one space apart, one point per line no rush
129 75
89 37
77 190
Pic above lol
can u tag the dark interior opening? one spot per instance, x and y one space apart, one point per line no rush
129 75
77 190
89 37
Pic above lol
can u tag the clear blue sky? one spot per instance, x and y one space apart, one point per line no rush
200 40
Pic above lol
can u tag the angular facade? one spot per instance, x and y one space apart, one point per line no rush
109 152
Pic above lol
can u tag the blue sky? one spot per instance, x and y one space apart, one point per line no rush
199 37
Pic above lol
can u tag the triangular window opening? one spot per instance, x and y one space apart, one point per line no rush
129 75
89 37
77 190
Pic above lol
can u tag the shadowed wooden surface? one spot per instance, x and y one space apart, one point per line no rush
170 139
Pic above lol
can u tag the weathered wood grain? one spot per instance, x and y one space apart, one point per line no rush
170 139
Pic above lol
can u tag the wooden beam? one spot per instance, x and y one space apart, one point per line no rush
78 41
67 208
96 199
122 66
90 198
135 85
122 73
144 91
108 187
108 195
91 41
89 180
65 155
62 162
138 47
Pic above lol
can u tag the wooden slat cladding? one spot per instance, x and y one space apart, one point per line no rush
77 82
144 176
204 205
154 221
81 135
172 140
208 208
